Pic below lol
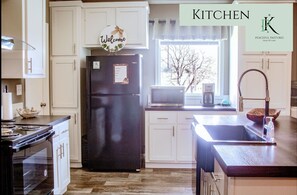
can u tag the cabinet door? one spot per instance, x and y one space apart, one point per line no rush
64 31
35 36
65 161
162 142
56 159
74 135
37 95
64 83
95 20
278 79
24 21
134 21
37 90
275 66
253 83
184 144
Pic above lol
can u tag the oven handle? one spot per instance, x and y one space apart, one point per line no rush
37 141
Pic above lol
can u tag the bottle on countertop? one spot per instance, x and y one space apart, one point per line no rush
270 129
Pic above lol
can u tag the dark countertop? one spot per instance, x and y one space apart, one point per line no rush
42 120
278 160
189 108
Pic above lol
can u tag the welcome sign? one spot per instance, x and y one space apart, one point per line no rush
269 27
113 38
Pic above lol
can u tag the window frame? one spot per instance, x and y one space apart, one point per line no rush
222 78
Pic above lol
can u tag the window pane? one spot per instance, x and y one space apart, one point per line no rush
189 64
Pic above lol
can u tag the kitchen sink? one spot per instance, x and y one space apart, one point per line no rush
233 134
208 135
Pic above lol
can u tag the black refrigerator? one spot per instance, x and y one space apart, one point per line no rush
113 113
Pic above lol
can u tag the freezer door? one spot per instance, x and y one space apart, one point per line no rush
114 74
114 134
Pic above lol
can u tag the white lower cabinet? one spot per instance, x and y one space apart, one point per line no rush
162 135
184 144
217 183
169 139
61 157
210 184
74 136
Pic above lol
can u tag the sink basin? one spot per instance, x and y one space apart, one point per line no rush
235 133
208 135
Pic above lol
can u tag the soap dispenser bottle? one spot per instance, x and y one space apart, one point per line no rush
270 129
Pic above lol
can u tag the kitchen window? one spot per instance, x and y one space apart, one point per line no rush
190 63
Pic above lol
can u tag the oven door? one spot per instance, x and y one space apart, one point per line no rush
33 166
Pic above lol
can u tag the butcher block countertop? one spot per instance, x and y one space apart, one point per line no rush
42 120
278 160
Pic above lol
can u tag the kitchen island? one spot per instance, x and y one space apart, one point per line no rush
266 166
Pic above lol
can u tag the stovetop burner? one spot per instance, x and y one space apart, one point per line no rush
16 133
28 127
9 126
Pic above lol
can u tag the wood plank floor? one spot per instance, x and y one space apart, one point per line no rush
147 181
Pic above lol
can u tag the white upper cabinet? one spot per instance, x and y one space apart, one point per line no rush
95 20
64 31
134 21
25 21
131 16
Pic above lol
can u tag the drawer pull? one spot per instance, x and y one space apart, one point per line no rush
64 131
173 131
163 118
189 118
213 176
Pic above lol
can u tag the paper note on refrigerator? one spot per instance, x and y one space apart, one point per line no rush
121 73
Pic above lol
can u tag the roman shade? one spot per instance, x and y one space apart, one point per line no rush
170 29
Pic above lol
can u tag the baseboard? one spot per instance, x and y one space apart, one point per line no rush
170 165
75 165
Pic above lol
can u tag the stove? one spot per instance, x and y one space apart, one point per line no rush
26 159
15 134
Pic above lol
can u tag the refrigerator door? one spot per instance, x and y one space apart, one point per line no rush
114 134
114 74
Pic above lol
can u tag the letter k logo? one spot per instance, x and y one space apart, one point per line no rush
266 24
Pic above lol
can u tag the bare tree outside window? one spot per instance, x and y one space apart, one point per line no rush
189 65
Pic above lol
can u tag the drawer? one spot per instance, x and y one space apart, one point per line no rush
57 130
161 117
185 117
61 128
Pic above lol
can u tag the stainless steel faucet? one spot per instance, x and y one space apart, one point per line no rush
267 98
